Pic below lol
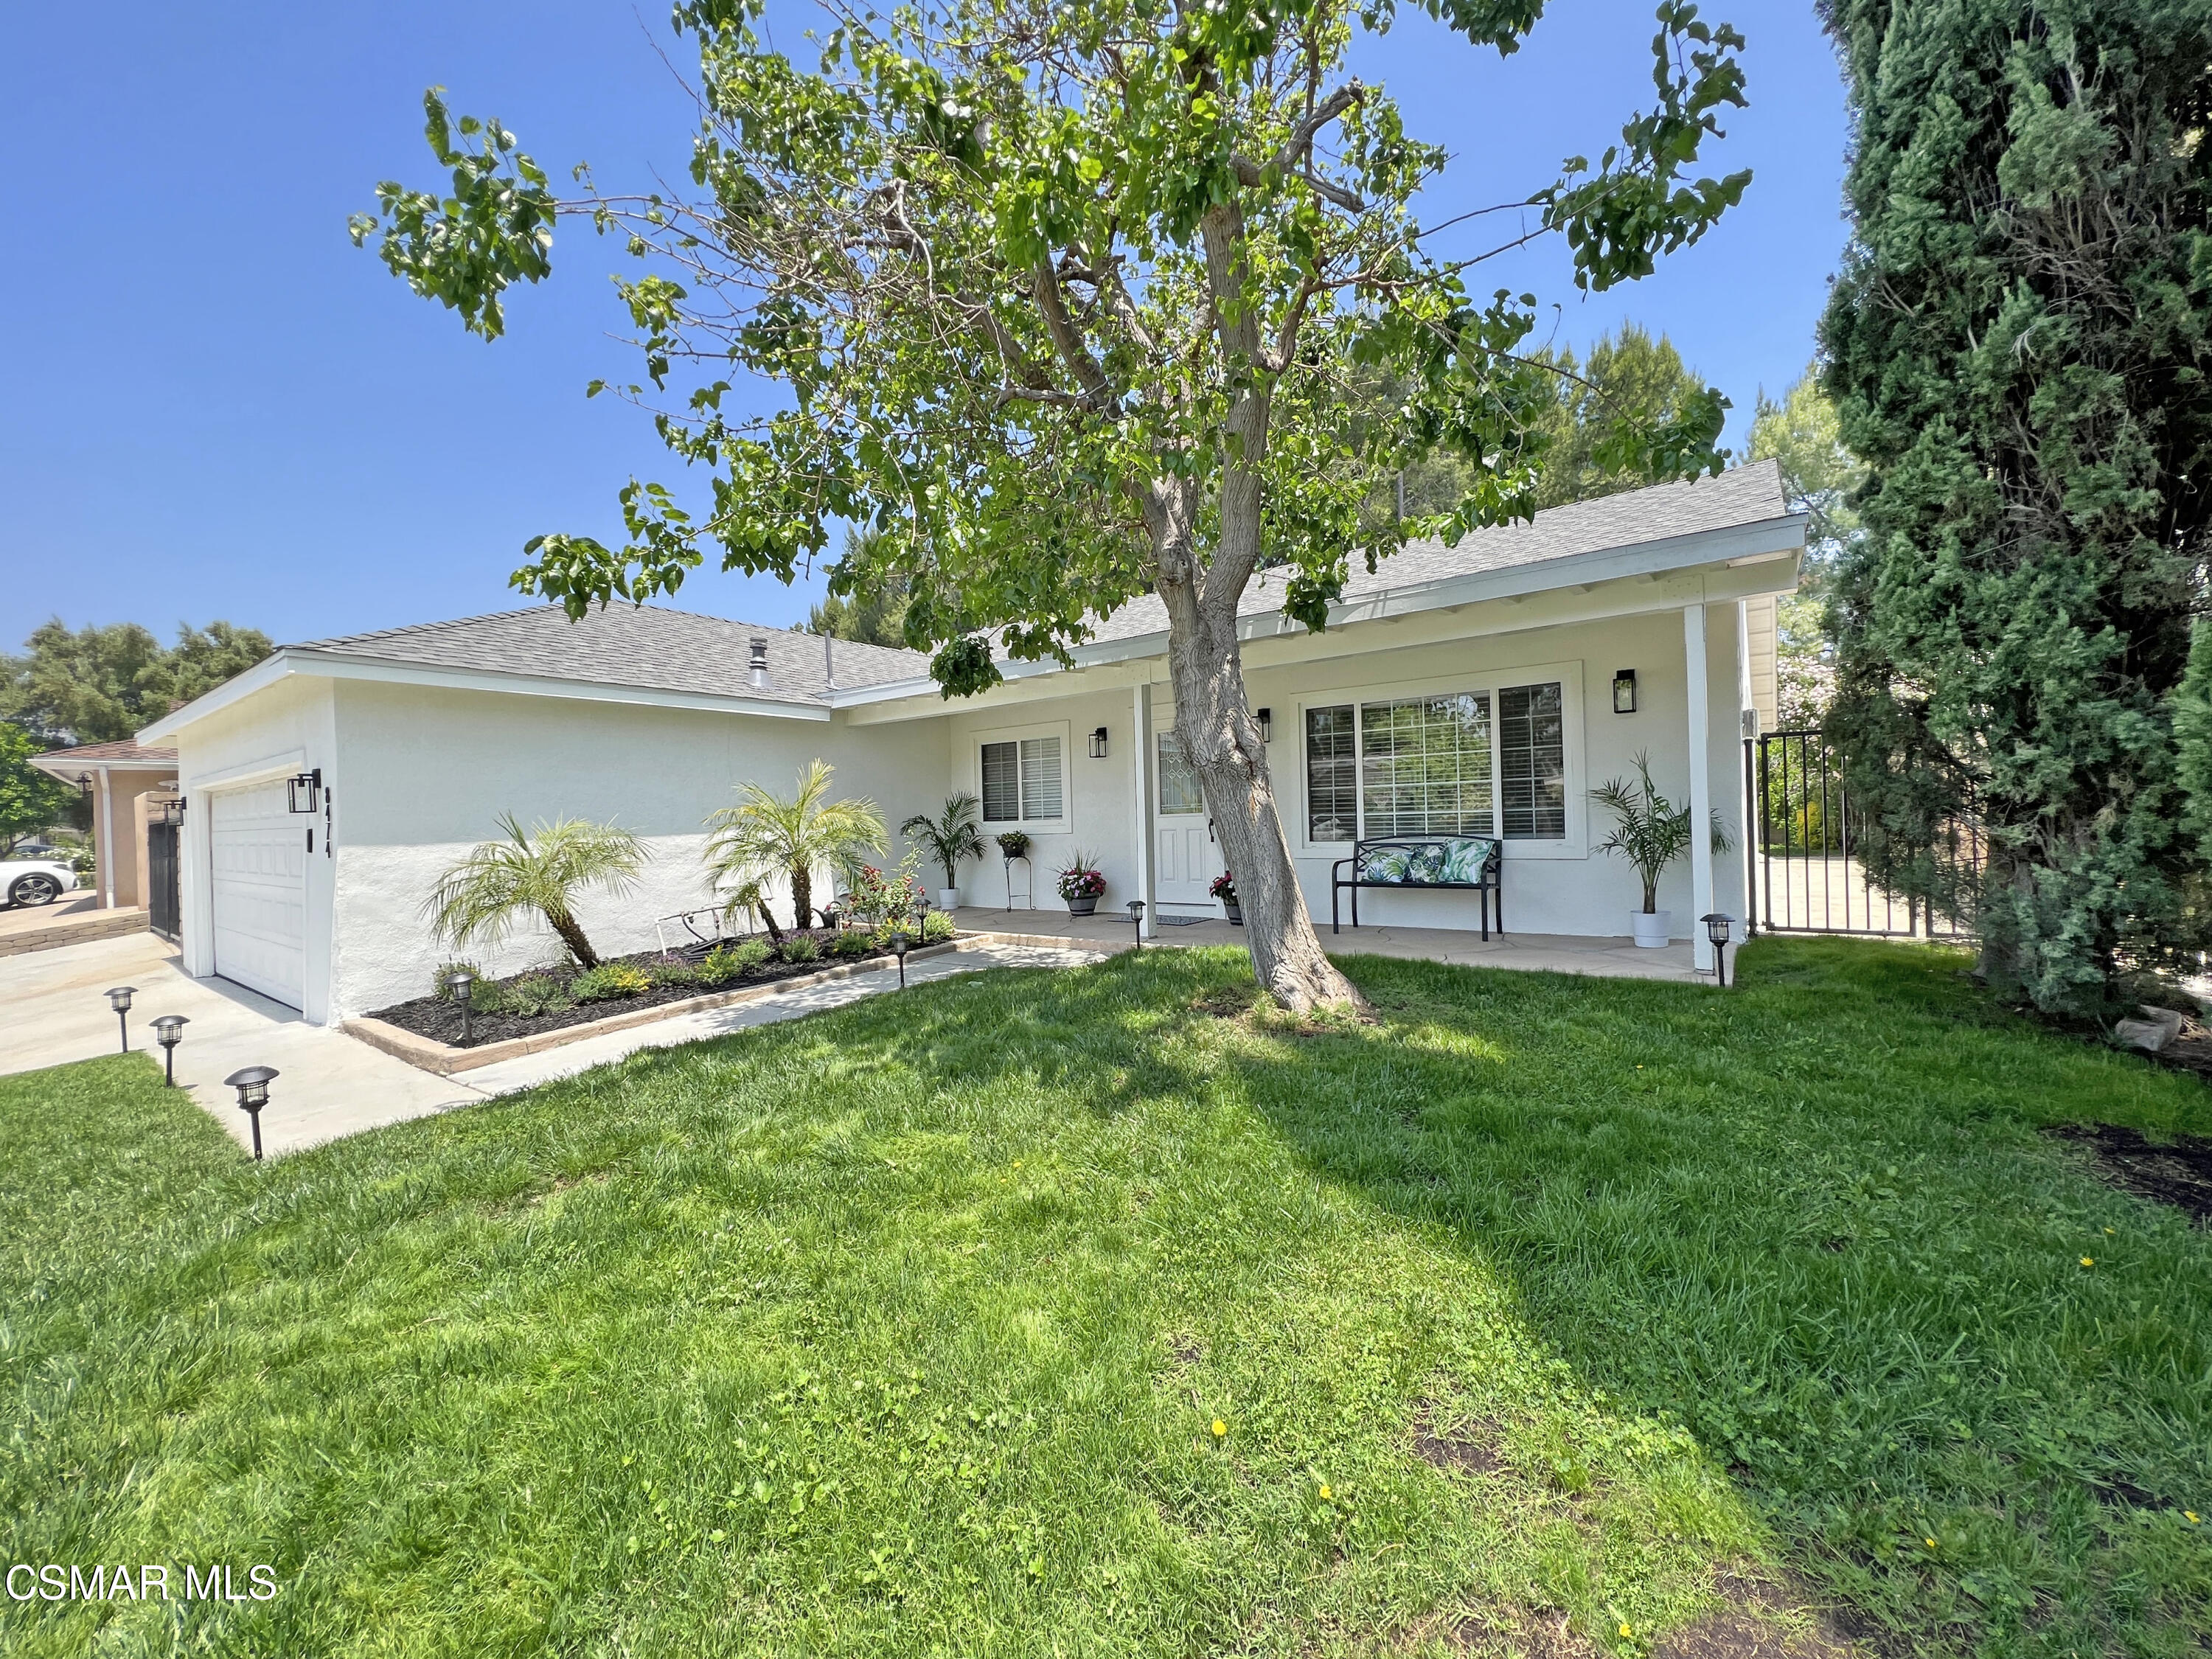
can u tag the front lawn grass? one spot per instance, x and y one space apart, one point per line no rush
1077 1313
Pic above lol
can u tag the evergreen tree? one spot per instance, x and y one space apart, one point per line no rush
2017 346
99 685
873 618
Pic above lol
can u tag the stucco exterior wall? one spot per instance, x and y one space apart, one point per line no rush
424 774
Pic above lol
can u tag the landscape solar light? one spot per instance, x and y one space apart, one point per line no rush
119 1000
170 1028
1137 919
900 946
461 982
252 1086
1717 926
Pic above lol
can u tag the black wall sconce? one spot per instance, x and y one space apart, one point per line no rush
1098 744
84 785
1266 718
1624 691
303 791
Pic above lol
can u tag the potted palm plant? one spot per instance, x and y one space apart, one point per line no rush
765 835
1650 832
947 839
544 870
1082 884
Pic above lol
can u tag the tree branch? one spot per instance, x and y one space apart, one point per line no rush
1098 392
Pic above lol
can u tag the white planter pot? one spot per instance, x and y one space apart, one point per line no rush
1650 929
948 898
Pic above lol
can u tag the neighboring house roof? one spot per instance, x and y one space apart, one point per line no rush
122 756
646 646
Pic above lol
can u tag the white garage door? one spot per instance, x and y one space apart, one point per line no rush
260 891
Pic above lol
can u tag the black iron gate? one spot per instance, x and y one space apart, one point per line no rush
162 906
1804 871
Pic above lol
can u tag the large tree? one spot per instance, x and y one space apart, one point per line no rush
29 800
2018 347
1071 303
98 685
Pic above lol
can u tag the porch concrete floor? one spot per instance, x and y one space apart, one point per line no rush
1558 953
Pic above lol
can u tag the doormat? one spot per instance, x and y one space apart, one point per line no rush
1182 921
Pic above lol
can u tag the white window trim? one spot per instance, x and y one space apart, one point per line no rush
1062 825
1575 844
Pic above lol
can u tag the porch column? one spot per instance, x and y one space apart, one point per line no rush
1140 801
1701 785
105 847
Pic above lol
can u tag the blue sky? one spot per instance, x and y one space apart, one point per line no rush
216 407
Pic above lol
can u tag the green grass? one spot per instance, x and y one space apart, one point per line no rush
903 1330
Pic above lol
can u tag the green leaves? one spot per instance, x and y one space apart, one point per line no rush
466 249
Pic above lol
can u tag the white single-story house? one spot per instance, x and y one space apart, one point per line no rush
1469 690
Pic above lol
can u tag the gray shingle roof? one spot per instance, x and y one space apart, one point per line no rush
647 648
657 649
1742 496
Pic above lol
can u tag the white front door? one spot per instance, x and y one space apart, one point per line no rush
259 890
1186 857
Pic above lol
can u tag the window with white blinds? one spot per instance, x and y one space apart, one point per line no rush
1022 781
1474 763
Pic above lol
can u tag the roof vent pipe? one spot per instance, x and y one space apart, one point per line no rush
829 663
760 663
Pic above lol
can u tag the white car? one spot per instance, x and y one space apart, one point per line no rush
29 882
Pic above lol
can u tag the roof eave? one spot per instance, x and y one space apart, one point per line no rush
1775 537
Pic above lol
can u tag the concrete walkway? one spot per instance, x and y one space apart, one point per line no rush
333 1085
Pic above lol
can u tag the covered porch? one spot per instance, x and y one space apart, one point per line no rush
1555 953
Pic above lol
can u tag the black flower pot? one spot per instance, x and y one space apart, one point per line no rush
1087 905
1234 911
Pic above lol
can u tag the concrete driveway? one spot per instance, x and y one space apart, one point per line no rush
331 1085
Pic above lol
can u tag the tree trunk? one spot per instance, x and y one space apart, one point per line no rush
802 895
1219 737
573 936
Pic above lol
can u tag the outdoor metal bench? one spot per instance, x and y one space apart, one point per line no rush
1419 864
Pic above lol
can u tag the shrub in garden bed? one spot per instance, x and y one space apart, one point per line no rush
549 998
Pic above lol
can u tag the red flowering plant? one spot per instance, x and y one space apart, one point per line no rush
1082 878
879 896
1223 887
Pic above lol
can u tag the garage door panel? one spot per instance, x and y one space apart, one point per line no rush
260 889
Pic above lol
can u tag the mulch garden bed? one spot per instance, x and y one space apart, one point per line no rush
2177 1172
440 1019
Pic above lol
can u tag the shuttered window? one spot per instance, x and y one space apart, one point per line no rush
1332 775
1532 754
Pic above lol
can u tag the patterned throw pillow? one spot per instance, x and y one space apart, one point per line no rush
1387 864
1464 857
1426 864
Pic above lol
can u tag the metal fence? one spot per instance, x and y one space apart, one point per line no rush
1804 870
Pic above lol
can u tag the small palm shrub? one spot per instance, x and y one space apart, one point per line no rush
765 835
1648 830
609 980
950 838
544 869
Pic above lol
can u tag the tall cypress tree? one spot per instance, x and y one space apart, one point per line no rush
2017 346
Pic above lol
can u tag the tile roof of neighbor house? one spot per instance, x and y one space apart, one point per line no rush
649 647
654 648
124 752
